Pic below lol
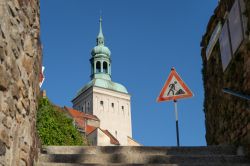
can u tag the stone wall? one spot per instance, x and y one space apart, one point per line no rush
227 116
20 63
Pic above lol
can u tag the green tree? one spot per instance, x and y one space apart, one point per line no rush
54 127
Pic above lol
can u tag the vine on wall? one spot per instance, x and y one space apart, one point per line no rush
55 128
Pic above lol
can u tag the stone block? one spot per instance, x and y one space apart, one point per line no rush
23 155
15 91
5 109
7 122
11 105
25 147
28 46
26 104
27 64
4 136
2 55
15 72
2 148
11 9
2 161
19 106
4 79
22 162
19 117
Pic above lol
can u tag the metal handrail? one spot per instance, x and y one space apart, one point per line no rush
237 94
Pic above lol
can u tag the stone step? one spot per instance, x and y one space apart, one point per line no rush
142 159
209 150
88 164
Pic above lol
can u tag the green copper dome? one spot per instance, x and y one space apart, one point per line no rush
100 49
103 83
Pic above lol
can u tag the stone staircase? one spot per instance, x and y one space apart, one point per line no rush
143 155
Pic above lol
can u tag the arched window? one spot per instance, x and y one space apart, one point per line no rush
109 69
98 66
105 67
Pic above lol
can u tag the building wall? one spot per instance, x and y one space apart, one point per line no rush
84 102
94 123
227 116
103 139
116 118
132 142
98 138
20 63
92 138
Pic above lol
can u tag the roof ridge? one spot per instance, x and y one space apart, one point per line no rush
81 114
116 142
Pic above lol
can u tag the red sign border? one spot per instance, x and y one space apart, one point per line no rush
174 73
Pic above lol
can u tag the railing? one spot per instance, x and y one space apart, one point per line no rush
237 94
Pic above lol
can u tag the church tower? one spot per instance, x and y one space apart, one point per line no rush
102 97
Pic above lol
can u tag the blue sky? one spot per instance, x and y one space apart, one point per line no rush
146 39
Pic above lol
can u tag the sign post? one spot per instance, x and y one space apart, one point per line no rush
176 120
173 89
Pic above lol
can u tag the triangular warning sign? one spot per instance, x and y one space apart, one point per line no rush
174 88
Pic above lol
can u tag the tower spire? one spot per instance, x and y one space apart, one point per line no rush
100 60
100 37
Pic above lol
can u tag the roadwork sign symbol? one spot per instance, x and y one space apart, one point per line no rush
174 88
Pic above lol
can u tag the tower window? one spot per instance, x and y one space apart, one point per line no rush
88 107
101 102
122 107
85 107
98 66
105 67
112 104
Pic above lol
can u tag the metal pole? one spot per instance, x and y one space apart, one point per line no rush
176 120
237 94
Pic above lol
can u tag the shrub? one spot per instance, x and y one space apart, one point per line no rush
54 127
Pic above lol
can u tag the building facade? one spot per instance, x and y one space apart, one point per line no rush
102 97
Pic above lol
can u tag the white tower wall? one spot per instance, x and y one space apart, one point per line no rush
111 107
113 110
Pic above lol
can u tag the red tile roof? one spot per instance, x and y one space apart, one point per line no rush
75 113
93 131
77 116
80 117
89 129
